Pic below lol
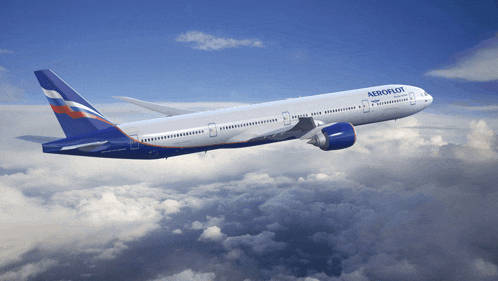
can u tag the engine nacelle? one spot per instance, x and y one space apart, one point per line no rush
334 137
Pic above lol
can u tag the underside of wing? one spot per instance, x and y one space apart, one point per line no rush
301 129
169 111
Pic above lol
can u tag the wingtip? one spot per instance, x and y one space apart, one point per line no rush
122 98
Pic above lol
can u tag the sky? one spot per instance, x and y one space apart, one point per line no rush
413 199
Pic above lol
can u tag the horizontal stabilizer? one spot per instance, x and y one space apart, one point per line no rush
37 139
170 111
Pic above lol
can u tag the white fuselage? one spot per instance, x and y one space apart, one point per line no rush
240 124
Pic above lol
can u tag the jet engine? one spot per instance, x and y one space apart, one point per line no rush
334 137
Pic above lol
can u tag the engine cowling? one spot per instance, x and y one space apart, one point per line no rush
337 136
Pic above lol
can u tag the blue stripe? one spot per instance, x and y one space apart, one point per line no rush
44 81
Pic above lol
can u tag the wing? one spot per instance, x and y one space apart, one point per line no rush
304 129
170 111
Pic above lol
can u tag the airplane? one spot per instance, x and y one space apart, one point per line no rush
327 121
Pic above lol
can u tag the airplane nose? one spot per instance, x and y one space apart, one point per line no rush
428 100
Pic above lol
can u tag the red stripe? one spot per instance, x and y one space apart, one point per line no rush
65 109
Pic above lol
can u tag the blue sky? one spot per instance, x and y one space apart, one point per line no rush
132 48
413 199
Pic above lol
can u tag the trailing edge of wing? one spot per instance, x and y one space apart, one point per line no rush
170 111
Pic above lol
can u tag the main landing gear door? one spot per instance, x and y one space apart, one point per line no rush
212 130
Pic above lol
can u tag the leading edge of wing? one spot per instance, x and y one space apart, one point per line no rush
170 111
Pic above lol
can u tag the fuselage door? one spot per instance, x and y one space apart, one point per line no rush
212 130
413 101
366 106
133 144
286 116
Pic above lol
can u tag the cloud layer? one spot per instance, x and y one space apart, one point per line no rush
208 42
406 202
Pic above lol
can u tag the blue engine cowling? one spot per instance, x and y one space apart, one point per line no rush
334 137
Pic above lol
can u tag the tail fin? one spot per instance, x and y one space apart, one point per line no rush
76 116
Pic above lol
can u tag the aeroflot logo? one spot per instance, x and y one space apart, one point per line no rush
386 92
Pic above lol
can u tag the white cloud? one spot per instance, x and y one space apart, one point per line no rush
208 42
481 136
71 220
188 274
211 221
212 233
480 108
481 65
485 268
30 270
5 51
170 206
260 243
357 275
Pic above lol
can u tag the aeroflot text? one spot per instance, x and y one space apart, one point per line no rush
386 92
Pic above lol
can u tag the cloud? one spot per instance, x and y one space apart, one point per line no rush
212 233
260 243
479 108
211 221
5 51
208 42
480 65
28 271
189 275
73 218
485 268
